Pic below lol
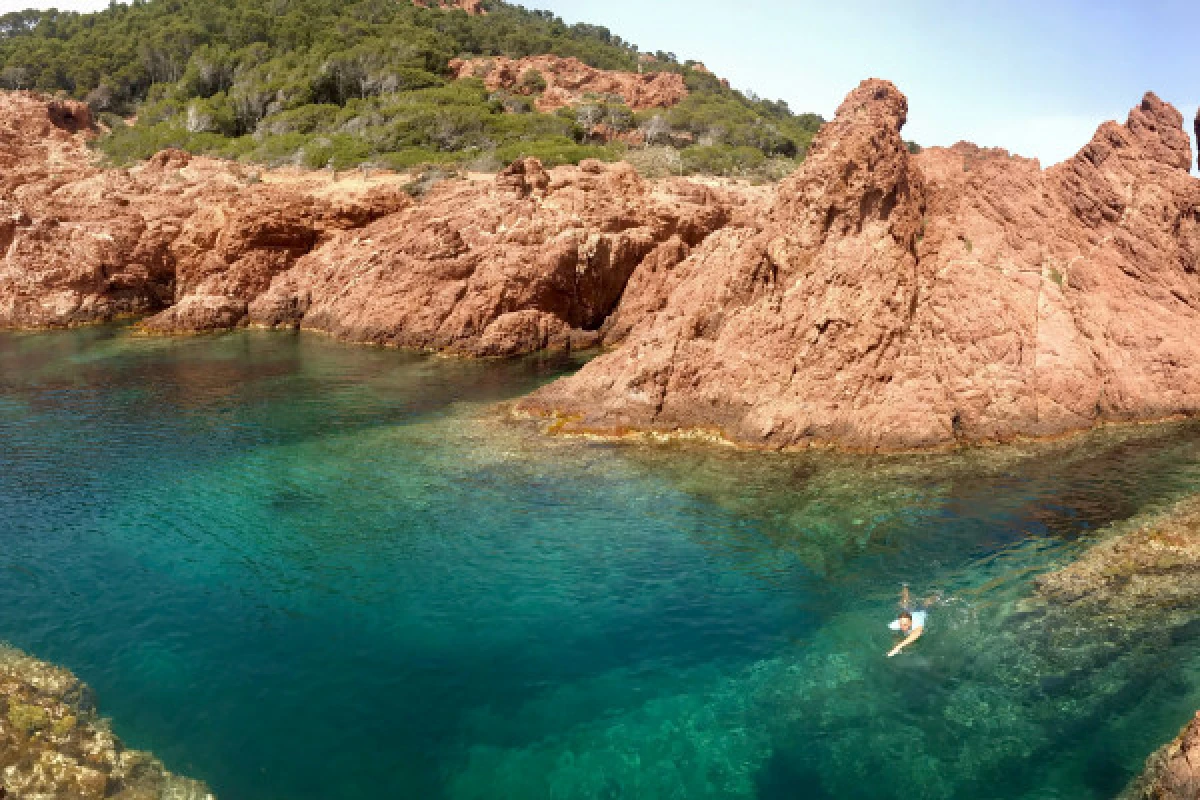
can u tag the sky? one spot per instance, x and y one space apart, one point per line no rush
1036 77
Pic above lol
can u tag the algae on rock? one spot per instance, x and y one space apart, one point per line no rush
53 743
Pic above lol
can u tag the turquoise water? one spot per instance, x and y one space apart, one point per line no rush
297 569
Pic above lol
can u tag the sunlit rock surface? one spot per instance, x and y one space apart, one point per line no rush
897 301
53 745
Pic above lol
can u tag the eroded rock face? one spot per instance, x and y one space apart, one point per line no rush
569 81
877 300
52 743
527 260
897 301
82 244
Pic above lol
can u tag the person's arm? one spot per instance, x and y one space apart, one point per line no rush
912 637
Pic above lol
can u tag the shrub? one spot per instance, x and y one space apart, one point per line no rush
556 151
722 160
409 158
531 82
303 75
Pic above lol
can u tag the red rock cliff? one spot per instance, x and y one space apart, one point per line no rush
893 301
523 261
472 7
879 300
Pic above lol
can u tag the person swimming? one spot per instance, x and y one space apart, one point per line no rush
910 623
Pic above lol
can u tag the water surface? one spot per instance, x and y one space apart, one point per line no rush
298 569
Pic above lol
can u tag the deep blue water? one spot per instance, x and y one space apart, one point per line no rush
298 569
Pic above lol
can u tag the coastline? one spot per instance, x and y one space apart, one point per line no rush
566 426
1146 572
54 744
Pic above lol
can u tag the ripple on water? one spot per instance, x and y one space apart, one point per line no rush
298 569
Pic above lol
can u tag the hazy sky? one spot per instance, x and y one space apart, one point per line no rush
1034 76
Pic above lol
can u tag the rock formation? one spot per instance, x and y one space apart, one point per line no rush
473 7
52 744
530 260
523 261
898 301
1172 773
1143 580
880 300
569 81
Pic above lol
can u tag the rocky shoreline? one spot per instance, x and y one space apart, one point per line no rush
891 301
1173 772
875 300
53 744
1146 576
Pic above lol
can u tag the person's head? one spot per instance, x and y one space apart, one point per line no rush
905 621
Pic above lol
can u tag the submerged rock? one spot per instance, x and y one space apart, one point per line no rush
1145 577
53 745
1150 569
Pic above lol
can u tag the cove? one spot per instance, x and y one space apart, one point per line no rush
299 569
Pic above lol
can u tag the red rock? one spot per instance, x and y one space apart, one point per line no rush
606 134
472 7
85 245
70 115
569 81
527 261
892 301
876 299
1172 773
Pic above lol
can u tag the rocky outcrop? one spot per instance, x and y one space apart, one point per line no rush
1150 566
533 259
569 81
82 244
1173 772
529 259
52 743
877 300
892 301
1144 576
473 7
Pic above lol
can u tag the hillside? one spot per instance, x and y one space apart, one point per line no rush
323 83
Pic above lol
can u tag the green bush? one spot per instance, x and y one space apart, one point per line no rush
531 82
722 160
343 82
557 151
401 160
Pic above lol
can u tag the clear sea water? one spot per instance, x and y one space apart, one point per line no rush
299 569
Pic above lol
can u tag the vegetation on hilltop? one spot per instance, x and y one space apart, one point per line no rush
335 83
